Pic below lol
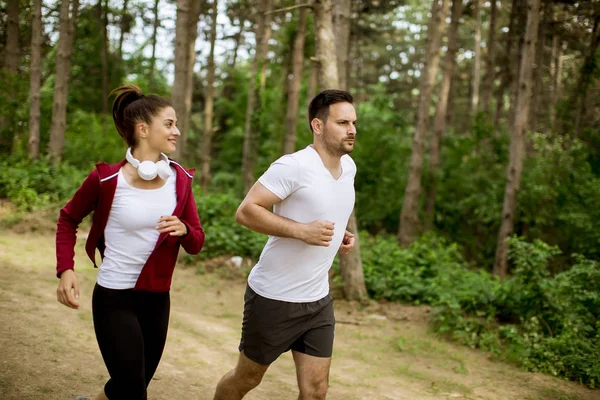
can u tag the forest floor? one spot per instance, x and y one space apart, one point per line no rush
381 351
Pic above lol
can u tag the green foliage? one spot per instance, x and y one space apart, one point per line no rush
224 236
35 184
92 138
542 323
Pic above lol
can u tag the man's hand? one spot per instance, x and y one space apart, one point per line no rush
68 282
318 233
171 224
347 243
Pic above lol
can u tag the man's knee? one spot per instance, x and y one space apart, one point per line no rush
247 380
315 390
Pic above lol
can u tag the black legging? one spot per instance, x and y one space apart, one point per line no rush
131 329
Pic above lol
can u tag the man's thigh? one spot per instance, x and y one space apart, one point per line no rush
312 372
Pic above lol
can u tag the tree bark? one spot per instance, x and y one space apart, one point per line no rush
35 78
313 80
205 177
103 19
351 269
517 142
325 45
442 109
520 36
507 76
253 108
124 26
238 42
11 67
409 217
61 82
153 56
476 77
538 72
268 16
342 39
11 61
488 86
555 72
186 31
289 145
583 83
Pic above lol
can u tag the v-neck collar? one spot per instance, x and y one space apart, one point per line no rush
316 153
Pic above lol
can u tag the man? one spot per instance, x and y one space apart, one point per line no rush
287 305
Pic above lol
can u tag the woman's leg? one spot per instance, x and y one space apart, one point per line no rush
153 310
121 343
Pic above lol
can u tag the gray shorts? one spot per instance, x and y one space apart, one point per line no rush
272 327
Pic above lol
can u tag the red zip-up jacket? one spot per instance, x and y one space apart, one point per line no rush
96 194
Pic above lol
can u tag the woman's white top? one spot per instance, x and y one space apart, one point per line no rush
130 234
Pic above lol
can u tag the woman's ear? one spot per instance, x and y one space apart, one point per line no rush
142 130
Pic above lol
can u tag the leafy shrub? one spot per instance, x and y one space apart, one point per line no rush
223 234
35 184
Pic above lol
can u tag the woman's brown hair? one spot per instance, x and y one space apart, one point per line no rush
131 107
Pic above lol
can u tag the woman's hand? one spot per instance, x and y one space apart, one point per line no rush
171 224
68 282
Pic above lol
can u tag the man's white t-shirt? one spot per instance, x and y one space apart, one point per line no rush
290 269
130 233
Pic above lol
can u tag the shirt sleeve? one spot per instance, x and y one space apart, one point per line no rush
282 177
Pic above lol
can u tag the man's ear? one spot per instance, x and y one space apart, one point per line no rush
317 126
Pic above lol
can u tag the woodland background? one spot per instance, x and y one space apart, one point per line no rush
478 150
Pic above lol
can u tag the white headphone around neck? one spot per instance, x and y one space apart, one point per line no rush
147 170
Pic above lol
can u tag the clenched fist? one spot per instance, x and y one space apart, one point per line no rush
318 233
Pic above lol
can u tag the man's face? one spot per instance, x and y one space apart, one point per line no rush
339 132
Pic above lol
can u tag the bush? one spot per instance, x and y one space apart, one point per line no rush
32 185
223 234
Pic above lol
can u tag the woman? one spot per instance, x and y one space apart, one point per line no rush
143 211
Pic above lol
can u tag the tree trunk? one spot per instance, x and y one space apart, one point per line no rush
409 216
342 39
35 78
253 108
268 16
477 61
507 76
555 72
11 66
351 269
520 37
441 110
325 45
289 145
186 31
238 42
517 142
313 80
153 56
11 61
103 19
488 86
588 68
208 103
124 26
538 72
61 81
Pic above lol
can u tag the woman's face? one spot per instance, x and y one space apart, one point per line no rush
162 133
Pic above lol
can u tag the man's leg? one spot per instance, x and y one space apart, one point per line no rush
313 376
240 380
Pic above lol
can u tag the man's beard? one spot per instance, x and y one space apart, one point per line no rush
338 149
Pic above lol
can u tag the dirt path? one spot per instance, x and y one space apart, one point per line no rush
381 352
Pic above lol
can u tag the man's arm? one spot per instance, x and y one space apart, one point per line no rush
254 213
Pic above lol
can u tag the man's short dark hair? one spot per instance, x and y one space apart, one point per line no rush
319 106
